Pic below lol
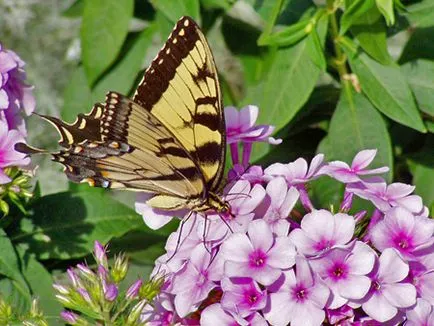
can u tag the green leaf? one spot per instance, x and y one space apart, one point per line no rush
387 89
15 295
423 179
217 4
41 283
316 41
386 9
355 10
67 224
370 31
176 9
103 31
420 76
288 35
356 126
75 10
419 46
9 263
421 14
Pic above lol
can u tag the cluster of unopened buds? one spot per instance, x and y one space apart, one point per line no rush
94 296
277 259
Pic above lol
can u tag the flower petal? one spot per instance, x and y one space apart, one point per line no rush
392 267
281 307
354 287
282 255
260 235
400 295
363 159
237 248
379 308
215 315
343 228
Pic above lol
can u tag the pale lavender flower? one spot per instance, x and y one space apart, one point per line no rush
344 271
195 280
258 254
403 231
300 300
161 313
421 276
297 172
343 172
240 126
8 155
133 290
388 293
321 231
385 196
254 174
242 296
215 315
282 201
100 254
110 292
340 315
69 317
421 314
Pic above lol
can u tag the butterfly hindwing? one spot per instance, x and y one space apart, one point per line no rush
182 90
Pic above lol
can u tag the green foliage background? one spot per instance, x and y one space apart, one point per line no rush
334 77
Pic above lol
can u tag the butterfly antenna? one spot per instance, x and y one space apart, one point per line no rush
205 224
226 222
238 194
178 240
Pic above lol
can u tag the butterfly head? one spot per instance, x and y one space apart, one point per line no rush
219 205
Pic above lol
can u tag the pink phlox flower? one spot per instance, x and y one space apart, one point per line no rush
297 172
257 254
384 196
195 280
281 200
240 126
343 172
300 300
421 275
254 174
340 315
388 293
161 312
216 315
321 231
344 271
401 230
421 314
242 296
8 155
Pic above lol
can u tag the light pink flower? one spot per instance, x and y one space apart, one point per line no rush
282 201
420 315
340 316
161 312
388 293
344 271
254 174
215 315
195 280
403 231
344 173
297 172
300 300
258 254
242 296
321 231
385 196
422 277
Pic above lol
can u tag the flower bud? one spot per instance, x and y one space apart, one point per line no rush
69 317
111 292
136 312
100 254
86 272
133 290
120 268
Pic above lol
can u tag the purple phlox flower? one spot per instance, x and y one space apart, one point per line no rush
110 291
154 218
15 95
421 275
388 293
73 277
385 196
195 280
68 316
297 172
258 254
100 254
376 217
242 296
340 315
421 314
215 315
344 271
240 126
300 300
321 231
85 295
254 174
403 231
133 290
8 155
343 172
161 312
281 202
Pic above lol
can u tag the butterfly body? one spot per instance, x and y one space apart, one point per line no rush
168 140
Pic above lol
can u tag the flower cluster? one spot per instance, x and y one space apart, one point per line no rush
96 296
276 258
16 100
33 317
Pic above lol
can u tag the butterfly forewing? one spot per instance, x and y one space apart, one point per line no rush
181 89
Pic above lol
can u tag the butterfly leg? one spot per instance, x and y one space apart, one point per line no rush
178 240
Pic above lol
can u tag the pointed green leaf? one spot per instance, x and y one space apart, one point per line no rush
420 75
288 35
421 14
387 89
386 9
356 126
423 179
351 14
176 9
103 31
9 263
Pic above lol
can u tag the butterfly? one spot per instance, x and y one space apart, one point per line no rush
168 140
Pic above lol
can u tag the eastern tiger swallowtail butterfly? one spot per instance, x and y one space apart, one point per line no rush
169 139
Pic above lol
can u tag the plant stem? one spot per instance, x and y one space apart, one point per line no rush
274 15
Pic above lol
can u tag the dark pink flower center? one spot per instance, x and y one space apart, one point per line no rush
251 296
324 244
300 293
257 259
376 285
338 271
403 242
